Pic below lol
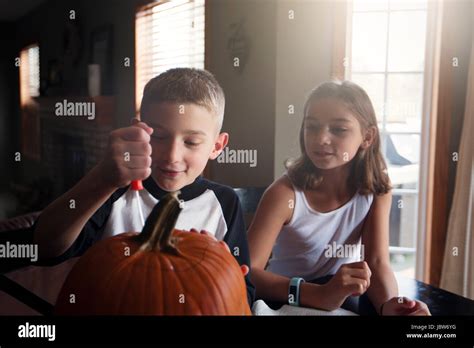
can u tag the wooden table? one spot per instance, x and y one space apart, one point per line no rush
439 301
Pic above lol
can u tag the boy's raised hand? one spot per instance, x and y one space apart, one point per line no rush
350 279
128 155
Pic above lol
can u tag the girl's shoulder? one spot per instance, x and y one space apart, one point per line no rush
282 186
278 197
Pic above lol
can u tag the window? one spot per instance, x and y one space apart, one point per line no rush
168 34
387 58
29 74
29 88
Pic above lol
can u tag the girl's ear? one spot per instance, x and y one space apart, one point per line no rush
369 137
219 145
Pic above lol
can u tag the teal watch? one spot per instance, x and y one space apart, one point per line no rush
294 291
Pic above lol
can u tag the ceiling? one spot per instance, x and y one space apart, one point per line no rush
12 10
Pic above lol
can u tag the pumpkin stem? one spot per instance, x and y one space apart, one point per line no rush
159 226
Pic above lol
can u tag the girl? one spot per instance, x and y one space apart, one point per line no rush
335 195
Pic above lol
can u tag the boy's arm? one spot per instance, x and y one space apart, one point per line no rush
62 221
236 239
127 158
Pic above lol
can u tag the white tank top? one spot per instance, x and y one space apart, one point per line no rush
315 244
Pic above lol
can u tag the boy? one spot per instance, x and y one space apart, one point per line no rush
182 112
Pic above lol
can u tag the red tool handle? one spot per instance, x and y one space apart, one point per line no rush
137 185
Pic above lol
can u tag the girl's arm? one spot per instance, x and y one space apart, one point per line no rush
375 238
384 289
272 213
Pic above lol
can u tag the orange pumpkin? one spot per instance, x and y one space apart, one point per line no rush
160 271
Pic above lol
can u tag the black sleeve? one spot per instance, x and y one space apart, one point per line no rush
236 236
91 233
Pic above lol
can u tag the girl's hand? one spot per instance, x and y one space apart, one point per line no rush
404 306
244 268
351 279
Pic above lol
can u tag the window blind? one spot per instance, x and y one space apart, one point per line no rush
168 34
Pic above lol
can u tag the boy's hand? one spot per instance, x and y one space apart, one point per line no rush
244 268
128 155
404 306
350 279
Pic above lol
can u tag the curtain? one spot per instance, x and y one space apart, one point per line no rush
458 266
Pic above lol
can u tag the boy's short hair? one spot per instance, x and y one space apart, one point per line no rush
185 85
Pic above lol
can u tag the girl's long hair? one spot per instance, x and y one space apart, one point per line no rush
368 173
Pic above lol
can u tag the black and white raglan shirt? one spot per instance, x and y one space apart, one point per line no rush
207 206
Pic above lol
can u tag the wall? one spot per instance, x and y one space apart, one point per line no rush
250 92
303 60
8 126
8 71
283 66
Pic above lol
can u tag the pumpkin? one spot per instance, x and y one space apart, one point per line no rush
160 271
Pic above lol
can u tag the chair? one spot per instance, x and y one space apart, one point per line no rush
249 198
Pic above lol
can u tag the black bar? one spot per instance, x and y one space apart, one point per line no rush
241 330
24 295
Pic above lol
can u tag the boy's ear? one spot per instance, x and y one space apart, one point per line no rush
221 142
369 137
